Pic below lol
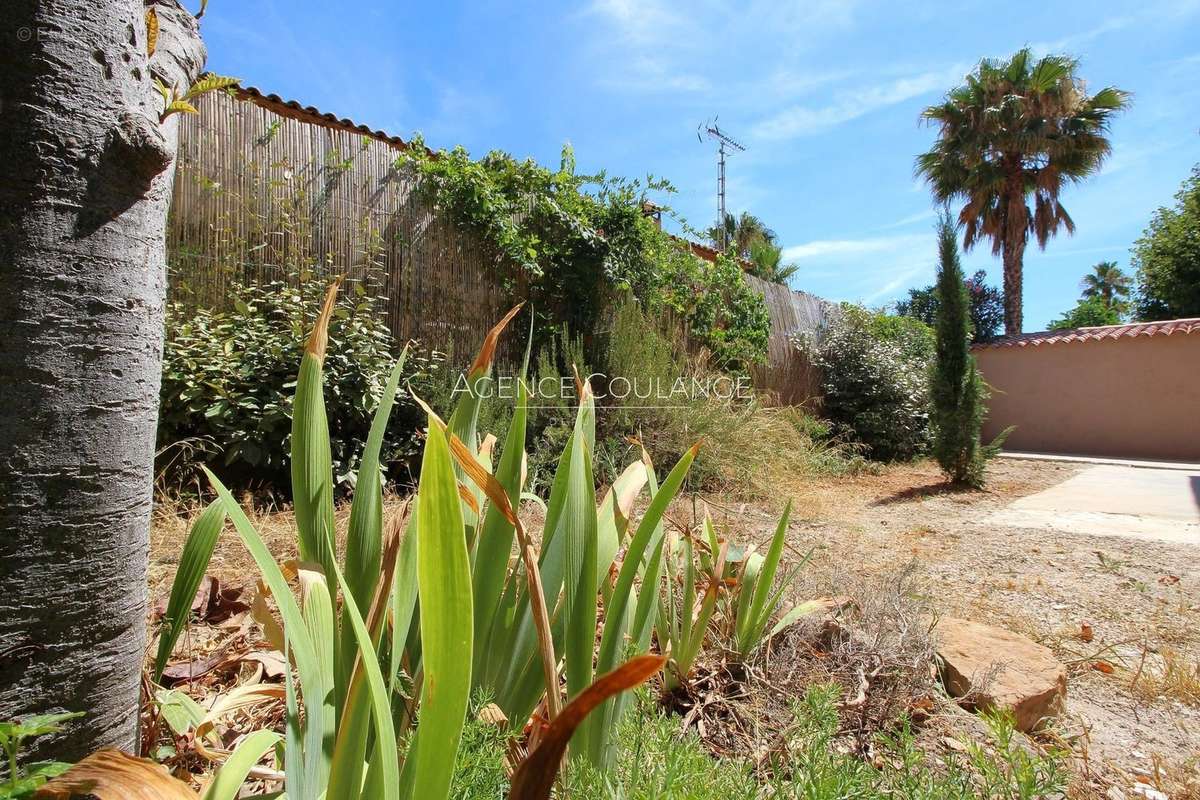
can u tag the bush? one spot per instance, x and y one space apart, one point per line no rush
228 377
571 244
752 450
874 370
959 394
1088 312
1167 258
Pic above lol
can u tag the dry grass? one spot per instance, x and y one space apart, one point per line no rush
877 649
1171 675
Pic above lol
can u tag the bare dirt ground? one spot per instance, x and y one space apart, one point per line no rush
1133 710
1141 600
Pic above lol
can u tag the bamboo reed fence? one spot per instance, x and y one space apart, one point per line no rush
787 373
266 190
263 196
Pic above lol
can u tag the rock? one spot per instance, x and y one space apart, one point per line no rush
1149 792
990 667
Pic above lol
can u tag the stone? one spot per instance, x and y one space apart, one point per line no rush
992 668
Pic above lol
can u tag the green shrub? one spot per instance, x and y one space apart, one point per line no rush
228 377
874 370
571 244
958 392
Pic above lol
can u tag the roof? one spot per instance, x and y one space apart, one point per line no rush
1168 327
293 110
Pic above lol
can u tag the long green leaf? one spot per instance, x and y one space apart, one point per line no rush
404 597
444 590
303 650
616 618
580 576
229 778
381 714
494 545
321 715
193 562
759 613
312 470
364 536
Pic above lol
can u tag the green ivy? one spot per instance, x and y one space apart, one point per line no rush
571 244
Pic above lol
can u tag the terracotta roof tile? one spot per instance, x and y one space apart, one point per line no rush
293 110
1099 333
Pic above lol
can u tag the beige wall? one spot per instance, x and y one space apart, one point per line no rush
1133 397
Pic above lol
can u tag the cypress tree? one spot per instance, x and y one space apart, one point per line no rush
957 390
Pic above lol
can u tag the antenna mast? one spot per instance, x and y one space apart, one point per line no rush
725 143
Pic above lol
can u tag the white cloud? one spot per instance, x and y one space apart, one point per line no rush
651 74
911 219
842 248
639 21
804 120
870 270
1073 41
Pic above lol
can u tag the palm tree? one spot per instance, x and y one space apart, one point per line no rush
741 233
1109 283
1016 128
766 262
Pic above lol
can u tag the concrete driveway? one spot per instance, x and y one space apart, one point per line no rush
1116 500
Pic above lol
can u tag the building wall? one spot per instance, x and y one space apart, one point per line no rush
1132 397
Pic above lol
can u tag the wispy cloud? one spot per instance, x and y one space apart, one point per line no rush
802 120
639 21
911 219
869 270
1075 40
824 248
654 74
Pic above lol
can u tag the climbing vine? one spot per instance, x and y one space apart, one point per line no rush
571 243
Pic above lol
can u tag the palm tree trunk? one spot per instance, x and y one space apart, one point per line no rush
1013 255
1016 233
85 181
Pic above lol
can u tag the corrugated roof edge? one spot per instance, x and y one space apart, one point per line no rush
293 110
1190 325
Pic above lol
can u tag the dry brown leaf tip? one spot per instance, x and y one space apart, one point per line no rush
318 340
112 775
487 352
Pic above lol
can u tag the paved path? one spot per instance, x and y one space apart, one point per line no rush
1115 500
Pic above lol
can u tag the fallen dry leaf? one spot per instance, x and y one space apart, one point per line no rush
185 671
1086 634
273 663
1103 666
1169 580
112 775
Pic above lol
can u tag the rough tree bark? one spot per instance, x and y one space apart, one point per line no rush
1015 233
1013 256
85 181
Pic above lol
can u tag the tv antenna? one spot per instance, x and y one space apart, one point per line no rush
725 144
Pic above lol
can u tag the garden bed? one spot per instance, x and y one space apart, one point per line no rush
907 549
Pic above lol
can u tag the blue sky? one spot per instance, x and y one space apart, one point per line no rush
825 94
